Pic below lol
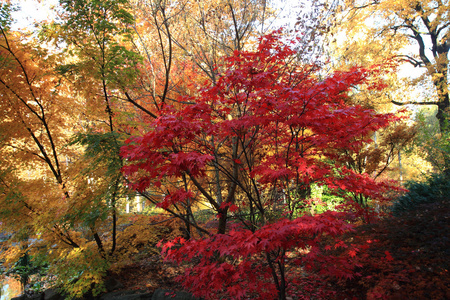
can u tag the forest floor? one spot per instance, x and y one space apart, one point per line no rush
406 257
409 258
150 274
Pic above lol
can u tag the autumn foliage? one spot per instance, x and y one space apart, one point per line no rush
228 134
249 146
243 264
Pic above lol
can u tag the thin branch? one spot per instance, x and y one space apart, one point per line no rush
411 60
414 102
174 214
129 99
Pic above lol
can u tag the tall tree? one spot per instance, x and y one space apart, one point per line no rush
60 138
191 37
368 32
394 25
32 128
36 178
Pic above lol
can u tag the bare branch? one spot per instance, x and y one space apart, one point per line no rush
414 102
411 60
129 99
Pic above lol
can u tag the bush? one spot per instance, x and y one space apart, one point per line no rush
30 271
435 188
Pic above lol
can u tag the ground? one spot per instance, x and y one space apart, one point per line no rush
407 258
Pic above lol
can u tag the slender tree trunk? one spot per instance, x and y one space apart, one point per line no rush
280 281
443 110
223 218
443 117
400 165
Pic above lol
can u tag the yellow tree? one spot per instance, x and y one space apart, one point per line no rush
416 32
373 32
33 128
37 121
60 191
393 25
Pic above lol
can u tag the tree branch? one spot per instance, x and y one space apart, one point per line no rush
414 102
129 99
411 60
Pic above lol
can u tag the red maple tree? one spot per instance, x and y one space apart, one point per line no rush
250 146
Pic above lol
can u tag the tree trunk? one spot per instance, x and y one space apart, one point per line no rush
223 216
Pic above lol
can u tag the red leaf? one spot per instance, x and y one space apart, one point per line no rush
388 256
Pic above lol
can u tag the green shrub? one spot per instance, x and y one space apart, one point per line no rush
30 271
436 188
